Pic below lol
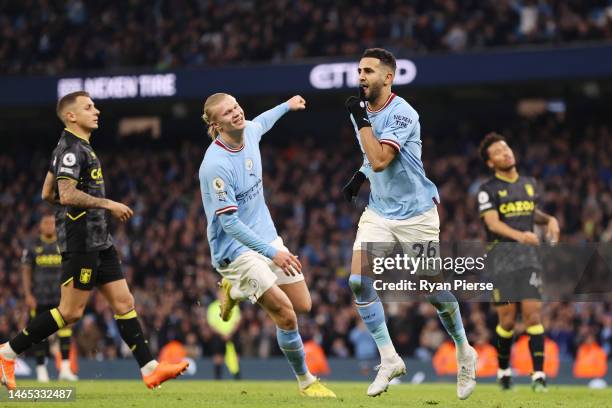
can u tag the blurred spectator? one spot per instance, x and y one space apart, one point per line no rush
431 338
51 37
89 338
364 346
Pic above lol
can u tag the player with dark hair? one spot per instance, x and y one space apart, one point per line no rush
507 203
75 182
401 208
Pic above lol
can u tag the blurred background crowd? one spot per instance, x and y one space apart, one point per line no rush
57 37
167 259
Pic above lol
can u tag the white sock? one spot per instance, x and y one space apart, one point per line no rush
306 379
7 352
65 366
463 349
148 368
387 353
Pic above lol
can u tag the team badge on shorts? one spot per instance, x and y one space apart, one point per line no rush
85 276
253 284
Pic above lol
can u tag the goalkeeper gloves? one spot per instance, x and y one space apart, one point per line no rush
357 107
351 189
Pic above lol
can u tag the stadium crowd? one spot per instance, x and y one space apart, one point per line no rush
52 37
166 256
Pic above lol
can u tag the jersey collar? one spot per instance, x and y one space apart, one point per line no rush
219 142
75 135
389 99
506 179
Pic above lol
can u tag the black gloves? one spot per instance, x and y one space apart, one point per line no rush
357 107
351 189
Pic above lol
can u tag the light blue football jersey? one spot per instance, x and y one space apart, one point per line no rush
402 190
232 180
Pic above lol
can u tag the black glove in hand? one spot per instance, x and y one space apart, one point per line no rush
351 189
357 107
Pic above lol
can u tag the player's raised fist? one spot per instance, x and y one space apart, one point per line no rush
297 103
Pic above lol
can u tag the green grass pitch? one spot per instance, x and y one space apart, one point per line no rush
254 394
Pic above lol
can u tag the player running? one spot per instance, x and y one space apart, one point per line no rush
401 208
41 269
75 183
507 205
245 247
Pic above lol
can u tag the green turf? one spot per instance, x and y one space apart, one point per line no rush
252 394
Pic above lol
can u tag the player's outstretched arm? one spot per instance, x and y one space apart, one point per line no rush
48 190
267 119
69 195
496 226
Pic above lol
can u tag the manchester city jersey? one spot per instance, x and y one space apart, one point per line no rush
401 190
231 180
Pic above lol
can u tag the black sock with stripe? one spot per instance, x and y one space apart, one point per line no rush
536 346
65 340
131 333
504 346
41 327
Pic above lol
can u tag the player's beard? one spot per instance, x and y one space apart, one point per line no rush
374 94
508 168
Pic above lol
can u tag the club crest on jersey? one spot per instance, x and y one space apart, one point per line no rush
529 190
85 276
249 164
503 193
69 159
